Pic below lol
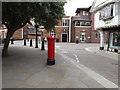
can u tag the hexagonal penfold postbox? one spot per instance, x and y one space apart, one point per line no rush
51 50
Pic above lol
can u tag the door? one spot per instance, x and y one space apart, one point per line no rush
64 37
82 37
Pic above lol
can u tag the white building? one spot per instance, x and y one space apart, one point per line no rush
107 19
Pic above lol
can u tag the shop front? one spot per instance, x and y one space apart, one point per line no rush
114 41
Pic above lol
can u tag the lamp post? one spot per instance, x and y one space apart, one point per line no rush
43 39
36 27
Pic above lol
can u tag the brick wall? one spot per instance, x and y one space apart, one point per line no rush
18 34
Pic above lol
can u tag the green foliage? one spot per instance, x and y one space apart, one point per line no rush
17 14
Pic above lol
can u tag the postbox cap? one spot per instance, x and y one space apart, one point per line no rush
51 37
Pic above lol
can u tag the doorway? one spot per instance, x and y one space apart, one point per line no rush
82 37
64 37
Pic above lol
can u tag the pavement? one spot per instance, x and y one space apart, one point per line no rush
95 49
25 67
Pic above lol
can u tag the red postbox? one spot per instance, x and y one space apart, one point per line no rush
51 50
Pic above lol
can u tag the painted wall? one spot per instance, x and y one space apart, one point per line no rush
111 22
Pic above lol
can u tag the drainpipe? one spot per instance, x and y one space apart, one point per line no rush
108 41
69 29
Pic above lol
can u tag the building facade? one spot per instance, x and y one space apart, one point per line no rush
3 33
82 27
107 20
61 31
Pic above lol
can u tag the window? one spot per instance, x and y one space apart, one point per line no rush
106 13
116 39
65 22
85 13
87 23
99 35
52 34
96 35
77 23
82 23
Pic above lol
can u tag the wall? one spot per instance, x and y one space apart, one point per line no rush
103 24
18 34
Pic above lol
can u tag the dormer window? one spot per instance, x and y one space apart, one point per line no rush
85 13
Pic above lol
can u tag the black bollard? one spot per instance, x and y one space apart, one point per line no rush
24 42
30 42
12 41
76 41
42 47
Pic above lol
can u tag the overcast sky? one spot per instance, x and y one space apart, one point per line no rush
72 5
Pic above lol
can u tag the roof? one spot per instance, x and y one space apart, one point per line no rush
99 4
79 9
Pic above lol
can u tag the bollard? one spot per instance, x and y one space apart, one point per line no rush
24 42
76 41
30 42
51 50
12 41
43 46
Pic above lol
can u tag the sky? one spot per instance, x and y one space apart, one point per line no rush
72 5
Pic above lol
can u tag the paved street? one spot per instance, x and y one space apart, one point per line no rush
102 62
76 67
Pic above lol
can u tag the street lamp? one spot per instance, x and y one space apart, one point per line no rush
36 27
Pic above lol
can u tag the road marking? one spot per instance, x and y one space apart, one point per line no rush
76 58
99 78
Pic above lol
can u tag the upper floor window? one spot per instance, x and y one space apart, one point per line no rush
65 22
82 23
85 13
106 12
77 23
88 23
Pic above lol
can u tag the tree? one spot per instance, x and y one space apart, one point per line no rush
16 14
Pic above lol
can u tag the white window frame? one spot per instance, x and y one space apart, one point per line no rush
84 13
52 34
64 21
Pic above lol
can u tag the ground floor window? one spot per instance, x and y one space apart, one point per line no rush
96 35
116 39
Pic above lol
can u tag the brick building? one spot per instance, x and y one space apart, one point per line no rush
3 31
69 29
61 31
18 34
82 27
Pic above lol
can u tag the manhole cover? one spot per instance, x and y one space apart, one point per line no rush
114 64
